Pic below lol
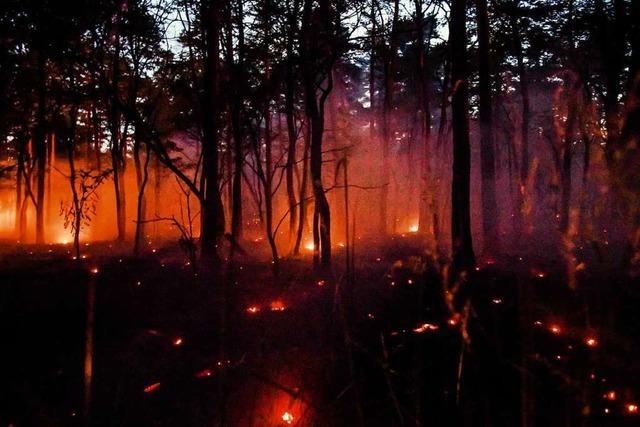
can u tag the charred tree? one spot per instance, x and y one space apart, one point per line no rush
462 246
212 212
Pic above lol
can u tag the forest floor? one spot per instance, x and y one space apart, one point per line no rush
313 348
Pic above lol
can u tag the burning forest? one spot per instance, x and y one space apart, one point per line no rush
320 212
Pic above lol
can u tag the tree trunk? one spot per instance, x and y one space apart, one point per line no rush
462 247
303 192
290 87
487 156
427 212
40 142
212 213
141 182
387 108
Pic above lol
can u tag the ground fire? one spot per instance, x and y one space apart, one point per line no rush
320 212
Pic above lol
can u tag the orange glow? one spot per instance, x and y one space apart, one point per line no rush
631 408
94 270
204 373
537 273
426 327
177 342
277 306
253 309
591 342
309 246
287 417
414 228
610 395
152 387
321 283
555 329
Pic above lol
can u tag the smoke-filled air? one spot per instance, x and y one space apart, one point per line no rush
320 212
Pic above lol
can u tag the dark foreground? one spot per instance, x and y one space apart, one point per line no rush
382 348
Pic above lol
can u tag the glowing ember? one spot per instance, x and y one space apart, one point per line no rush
253 309
177 342
631 408
610 395
321 283
538 273
94 270
452 321
426 327
496 301
555 329
151 388
591 342
287 417
204 373
277 306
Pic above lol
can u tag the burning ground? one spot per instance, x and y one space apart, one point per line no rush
386 344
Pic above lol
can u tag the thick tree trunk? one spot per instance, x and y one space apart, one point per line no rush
487 156
212 212
462 247
321 209
237 81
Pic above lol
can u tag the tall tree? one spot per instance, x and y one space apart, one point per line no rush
487 151
462 246
212 211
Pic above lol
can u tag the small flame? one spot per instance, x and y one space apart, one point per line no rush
277 306
287 417
253 309
152 387
632 408
414 228
610 395
591 342
555 329
204 373
177 342
426 327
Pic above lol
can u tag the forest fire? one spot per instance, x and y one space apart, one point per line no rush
319 212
